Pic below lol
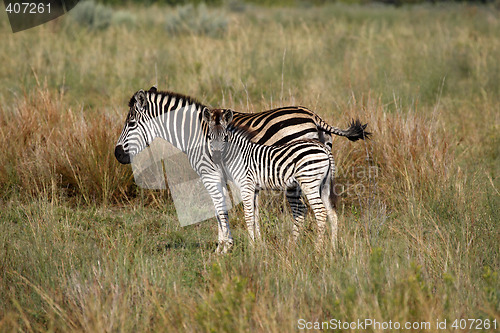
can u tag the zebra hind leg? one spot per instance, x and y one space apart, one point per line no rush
320 213
329 197
299 210
256 225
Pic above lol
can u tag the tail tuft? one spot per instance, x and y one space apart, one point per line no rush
357 131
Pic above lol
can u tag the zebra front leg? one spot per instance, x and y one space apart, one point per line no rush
299 210
248 196
215 188
225 239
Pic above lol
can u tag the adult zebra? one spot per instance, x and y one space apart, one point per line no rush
178 119
304 164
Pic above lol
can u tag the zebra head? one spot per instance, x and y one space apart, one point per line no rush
139 130
218 121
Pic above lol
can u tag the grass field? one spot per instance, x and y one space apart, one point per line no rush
83 249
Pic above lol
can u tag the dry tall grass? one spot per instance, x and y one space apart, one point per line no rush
52 150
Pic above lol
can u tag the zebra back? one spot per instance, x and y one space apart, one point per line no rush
286 124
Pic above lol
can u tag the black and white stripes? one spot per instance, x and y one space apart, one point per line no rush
178 119
304 164
283 125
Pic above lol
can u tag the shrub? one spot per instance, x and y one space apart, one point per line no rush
94 16
123 17
196 20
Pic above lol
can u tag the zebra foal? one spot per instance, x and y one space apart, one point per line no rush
254 167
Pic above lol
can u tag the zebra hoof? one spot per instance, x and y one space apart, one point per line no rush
224 247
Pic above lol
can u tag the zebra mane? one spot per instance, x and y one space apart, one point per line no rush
170 94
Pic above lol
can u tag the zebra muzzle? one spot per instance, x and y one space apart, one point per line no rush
217 156
121 155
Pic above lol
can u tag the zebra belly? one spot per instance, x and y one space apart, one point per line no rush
277 185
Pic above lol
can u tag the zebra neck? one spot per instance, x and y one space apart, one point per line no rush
181 127
239 150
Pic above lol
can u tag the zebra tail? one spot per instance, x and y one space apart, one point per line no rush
355 131
332 195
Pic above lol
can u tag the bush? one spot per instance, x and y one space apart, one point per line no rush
94 16
123 17
160 2
196 20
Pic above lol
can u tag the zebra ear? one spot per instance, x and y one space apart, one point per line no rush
228 115
140 99
205 114
153 89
